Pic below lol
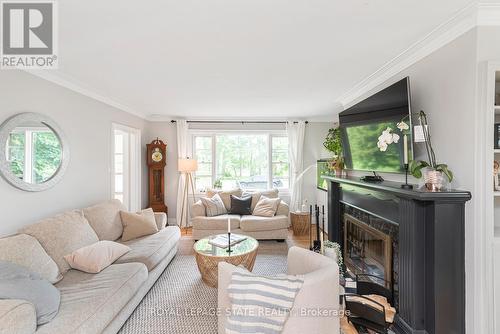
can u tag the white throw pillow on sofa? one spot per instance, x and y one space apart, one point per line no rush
94 258
266 207
271 193
214 206
225 196
140 224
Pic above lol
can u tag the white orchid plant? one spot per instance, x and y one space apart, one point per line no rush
416 166
388 137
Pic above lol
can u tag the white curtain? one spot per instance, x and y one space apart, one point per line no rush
295 132
182 152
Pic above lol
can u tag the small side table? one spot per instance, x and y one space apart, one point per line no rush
300 222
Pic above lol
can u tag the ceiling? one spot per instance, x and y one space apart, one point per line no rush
236 59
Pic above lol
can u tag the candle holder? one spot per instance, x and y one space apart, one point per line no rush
406 185
228 250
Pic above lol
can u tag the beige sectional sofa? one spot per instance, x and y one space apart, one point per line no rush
262 228
92 303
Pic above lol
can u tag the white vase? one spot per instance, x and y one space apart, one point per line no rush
331 253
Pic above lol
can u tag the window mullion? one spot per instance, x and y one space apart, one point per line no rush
270 161
28 156
214 161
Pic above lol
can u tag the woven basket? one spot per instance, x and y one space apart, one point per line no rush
300 222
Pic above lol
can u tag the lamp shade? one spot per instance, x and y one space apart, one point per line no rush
187 165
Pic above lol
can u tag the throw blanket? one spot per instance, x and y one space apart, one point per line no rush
260 304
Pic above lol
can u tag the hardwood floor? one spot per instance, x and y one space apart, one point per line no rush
187 242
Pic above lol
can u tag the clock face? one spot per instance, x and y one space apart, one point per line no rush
157 156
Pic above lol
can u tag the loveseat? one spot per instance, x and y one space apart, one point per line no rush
90 303
261 228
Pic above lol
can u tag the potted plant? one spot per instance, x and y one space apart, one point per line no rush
218 184
433 172
333 143
332 250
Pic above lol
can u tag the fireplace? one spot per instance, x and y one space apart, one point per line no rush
367 250
412 238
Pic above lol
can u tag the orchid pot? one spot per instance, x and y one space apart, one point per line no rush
336 165
434 180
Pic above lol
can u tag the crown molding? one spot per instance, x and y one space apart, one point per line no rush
454 27
72 84
473 15
488 14
160 118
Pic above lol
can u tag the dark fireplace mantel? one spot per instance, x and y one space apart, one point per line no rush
431 248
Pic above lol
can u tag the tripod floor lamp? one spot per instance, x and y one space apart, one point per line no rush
187 167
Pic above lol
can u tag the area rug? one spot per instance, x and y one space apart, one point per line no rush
180 302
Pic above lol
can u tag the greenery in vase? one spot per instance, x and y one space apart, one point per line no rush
333 143
416 166
336 248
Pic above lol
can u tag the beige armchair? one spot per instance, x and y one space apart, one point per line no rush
320 293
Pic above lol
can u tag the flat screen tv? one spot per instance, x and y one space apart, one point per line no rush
363 123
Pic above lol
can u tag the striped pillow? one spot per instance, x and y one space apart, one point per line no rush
260 304
214 206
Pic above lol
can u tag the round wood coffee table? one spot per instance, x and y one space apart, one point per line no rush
208 257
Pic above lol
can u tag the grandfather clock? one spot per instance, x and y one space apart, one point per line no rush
156 157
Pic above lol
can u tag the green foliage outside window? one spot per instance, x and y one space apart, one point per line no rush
241 157
16 153
47 156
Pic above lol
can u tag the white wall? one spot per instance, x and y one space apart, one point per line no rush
313 151
87 125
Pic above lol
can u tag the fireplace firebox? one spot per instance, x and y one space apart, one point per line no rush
367 250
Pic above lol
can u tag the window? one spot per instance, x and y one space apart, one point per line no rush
280 162
203 177
250 160
126 184
34 153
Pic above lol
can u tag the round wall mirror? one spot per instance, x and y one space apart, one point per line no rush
34 152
